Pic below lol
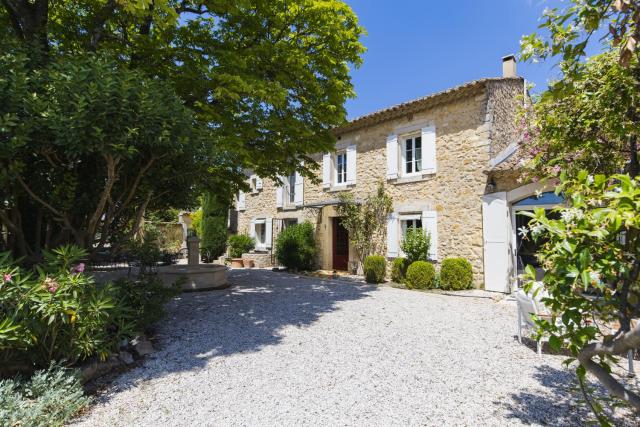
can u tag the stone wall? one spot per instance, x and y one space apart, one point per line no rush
504 100
464 127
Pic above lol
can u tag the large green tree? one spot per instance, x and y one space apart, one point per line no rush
220 86
270 77
585 129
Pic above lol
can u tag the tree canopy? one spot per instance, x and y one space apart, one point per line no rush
112 107
269 77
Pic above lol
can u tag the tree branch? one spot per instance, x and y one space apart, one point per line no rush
620 346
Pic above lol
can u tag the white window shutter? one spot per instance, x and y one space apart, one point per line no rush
279 193
351 164
429 149
241 201
430 225
392 235
267 232
326 170
258 183
252 229
392 157
299 190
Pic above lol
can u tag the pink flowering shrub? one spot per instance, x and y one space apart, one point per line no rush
56 312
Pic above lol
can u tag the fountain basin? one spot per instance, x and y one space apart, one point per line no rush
199 277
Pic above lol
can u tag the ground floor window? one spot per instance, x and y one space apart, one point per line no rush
288 222
260 232
410 222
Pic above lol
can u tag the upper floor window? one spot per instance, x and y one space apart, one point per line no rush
341 168
412 155
291 188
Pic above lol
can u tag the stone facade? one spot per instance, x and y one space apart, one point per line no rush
472 123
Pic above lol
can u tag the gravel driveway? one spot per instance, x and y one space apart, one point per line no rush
280 349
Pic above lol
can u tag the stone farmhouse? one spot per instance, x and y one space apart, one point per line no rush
447 160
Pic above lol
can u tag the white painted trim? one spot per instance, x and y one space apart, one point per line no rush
503 155
529 190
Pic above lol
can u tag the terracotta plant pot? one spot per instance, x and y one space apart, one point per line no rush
236 263
248 263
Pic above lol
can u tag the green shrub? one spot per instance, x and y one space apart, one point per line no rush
213 227
214 237
50 398
421 275
240 244
455 274
399 269
67 316
416 244
375 268
296 247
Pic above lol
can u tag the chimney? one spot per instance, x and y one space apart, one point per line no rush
509 66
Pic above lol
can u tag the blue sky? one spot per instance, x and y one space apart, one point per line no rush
417 47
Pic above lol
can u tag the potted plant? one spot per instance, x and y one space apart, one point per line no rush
238 245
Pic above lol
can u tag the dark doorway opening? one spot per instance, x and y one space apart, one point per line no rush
340 245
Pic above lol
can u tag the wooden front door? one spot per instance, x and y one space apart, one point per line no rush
340 246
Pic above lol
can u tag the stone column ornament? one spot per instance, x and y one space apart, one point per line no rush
193 248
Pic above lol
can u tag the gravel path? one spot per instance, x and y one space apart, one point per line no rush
280 349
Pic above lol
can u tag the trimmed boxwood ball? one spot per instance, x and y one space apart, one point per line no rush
399 270
455 274
375 268
421 275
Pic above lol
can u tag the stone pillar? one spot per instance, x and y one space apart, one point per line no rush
193 248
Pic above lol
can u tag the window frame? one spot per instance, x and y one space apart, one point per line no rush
336 170
290 187
414 161
260 236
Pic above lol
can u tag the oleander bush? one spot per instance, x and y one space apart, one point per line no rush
296 247
375 268
456 274
421 275
51 397
240 244
399 269
58 313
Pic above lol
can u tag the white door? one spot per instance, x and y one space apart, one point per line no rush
495 225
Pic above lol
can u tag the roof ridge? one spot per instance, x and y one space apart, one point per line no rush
355 122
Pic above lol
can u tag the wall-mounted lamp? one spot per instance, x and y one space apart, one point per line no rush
491 186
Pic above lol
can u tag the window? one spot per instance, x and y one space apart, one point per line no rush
410 222
291 188
288 222
254 184
412 155
341 168
260 232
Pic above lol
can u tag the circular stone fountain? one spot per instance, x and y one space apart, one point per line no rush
199 277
